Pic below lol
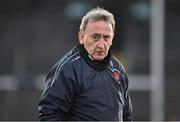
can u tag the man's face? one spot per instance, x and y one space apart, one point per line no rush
97 39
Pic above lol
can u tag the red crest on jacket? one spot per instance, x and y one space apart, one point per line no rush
117 75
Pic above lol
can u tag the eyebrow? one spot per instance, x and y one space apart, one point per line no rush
97 34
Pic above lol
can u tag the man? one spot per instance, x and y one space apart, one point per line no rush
88 83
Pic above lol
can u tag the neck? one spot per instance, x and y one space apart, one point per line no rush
98 65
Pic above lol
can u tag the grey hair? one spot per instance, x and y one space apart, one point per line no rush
97 14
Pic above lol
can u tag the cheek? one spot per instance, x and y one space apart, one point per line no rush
90 47
90 44
108 45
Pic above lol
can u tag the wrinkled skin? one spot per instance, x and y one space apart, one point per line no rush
97 39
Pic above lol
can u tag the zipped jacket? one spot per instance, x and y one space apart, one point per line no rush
79 88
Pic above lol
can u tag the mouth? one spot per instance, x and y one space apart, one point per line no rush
99 55
100 52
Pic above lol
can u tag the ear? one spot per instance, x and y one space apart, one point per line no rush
81 37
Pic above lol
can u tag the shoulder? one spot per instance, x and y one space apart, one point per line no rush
64 65
68 58
117 64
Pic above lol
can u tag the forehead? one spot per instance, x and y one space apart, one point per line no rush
99 26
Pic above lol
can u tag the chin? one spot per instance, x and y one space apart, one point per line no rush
99 58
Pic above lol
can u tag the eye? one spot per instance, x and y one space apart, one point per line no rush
96 38
107 38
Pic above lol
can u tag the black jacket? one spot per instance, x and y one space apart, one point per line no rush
79 88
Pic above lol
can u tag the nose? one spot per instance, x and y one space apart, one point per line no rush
101 44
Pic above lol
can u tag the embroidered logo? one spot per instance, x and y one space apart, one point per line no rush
116 74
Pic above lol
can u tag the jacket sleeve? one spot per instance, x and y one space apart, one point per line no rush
58 95
127 109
